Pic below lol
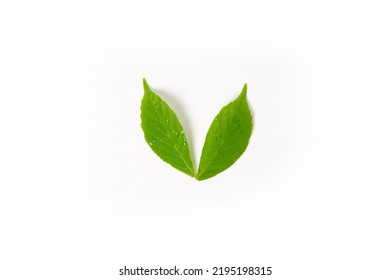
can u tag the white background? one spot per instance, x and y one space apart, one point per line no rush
82 194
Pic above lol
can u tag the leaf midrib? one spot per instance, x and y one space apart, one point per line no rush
211 159
169 137
238 107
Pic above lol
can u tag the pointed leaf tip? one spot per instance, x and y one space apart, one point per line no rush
146 86
244 90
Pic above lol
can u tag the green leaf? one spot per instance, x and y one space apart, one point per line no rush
227 138
164 133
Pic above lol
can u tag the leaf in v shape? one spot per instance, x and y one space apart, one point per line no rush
227 138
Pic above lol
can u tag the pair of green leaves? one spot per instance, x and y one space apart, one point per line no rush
226 140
